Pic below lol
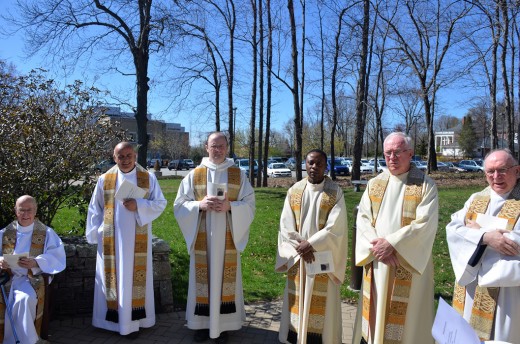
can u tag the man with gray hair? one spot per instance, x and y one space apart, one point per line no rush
396 227
484 243
45 255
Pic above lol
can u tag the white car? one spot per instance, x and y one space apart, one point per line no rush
278 169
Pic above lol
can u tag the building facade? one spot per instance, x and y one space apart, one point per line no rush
166 141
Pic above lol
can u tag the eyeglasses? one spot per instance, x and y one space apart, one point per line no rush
217 147
397 154
499 171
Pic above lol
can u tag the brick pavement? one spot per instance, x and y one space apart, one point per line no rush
261 327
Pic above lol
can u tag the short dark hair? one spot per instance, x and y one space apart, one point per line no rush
319 151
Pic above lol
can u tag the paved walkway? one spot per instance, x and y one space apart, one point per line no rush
261 327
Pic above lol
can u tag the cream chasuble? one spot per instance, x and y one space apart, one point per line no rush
332 237
492 270
22 295
187 214
413 244
148 209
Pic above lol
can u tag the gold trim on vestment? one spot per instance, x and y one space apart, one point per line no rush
397 304
37 245
317 309
485 299
229 273
109 249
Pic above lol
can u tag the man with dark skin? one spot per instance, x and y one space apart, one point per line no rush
312 226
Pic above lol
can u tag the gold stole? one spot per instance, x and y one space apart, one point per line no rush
37 246
318 303
485 299
397 304
229 273
109 249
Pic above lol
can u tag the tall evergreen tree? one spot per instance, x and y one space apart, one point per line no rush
467 137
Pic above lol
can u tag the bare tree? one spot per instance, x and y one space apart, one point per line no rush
77 29
269 84
252 123
361 106
424 36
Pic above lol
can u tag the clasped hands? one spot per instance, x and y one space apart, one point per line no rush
497 240
305 251
24 262
384 252
213 203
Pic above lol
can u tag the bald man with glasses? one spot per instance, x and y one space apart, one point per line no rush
396 226
484 244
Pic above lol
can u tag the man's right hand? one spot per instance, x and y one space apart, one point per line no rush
498 241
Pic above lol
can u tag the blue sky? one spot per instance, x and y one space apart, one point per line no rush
196 122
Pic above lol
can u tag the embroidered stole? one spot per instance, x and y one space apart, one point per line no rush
229 273
397 304
37 246
109 249
485 300
317 307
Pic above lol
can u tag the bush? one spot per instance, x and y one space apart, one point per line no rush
51 142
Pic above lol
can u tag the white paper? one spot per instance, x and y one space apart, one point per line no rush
489 221
215 189
322 263
128 190
12 259
450 327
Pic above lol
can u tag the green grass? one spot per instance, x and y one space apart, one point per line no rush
259 279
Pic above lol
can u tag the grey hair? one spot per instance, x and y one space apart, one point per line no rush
407 139
510 158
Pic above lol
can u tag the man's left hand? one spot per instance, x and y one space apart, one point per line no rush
130 204
28 263
305 250
382 249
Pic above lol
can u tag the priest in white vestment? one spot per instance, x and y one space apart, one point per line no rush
485 252
214 208
313 225
27 234
122 229
396 227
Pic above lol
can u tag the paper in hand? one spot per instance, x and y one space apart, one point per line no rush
323 263
493 222
215 189
128 190
12 259
450 328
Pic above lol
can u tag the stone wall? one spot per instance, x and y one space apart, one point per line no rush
73 289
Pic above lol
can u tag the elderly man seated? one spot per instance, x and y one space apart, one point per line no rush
45 255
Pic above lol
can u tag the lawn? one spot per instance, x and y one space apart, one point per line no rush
260 280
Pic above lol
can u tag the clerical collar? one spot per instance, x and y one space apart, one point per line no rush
24 229
316 186
129 172
497 195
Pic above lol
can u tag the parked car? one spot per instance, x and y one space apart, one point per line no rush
421 165
471 165
151 163
180 164
339 168
243 164
454 167
190 163
442 167
104 165
278 169
291 164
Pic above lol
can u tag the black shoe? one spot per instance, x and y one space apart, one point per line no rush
222 339
132 335
201 335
